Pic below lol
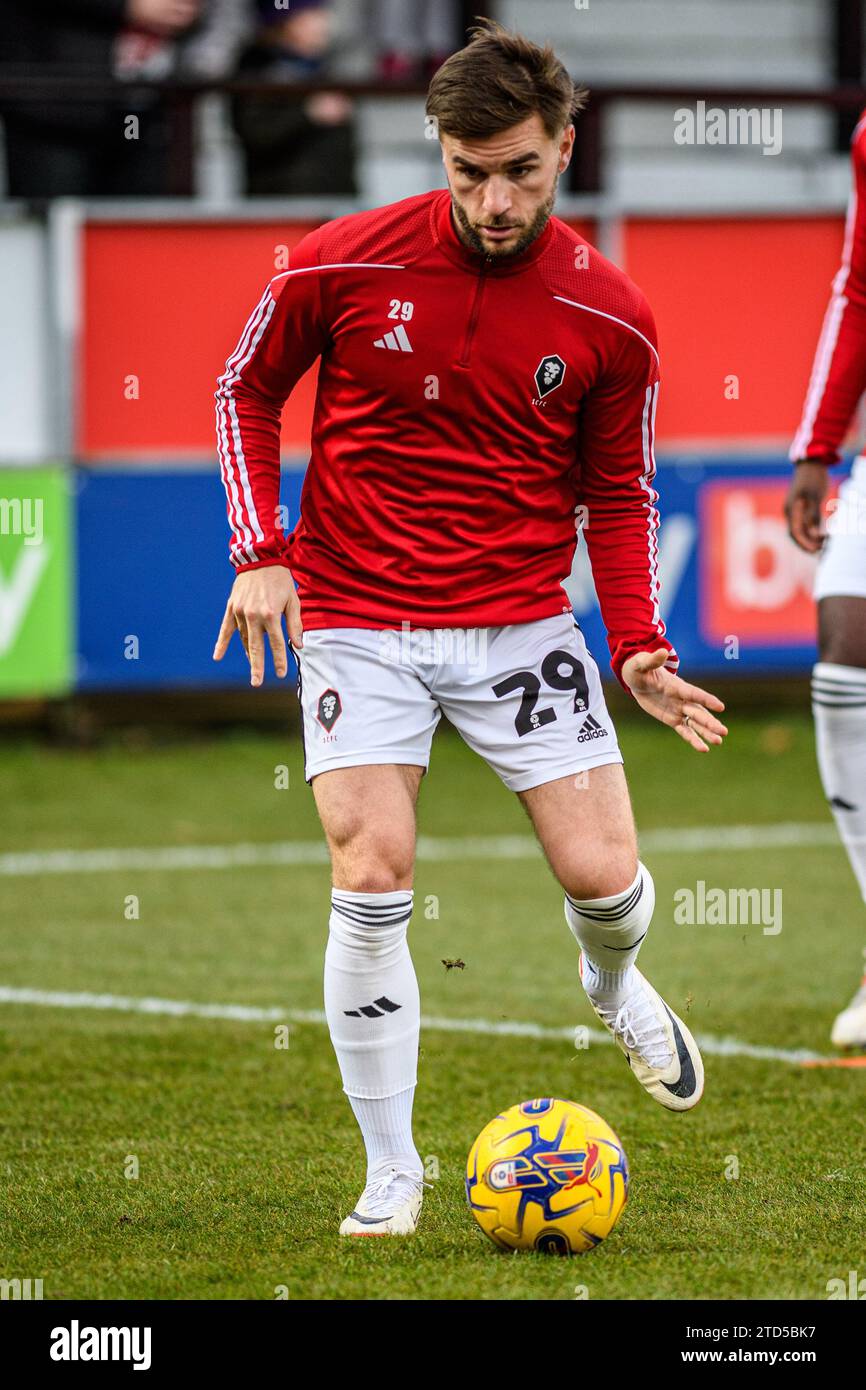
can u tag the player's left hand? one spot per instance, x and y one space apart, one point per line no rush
686 708
804 505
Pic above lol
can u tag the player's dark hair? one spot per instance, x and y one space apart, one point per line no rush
499 79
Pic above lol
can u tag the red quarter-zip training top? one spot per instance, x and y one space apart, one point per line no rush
470 412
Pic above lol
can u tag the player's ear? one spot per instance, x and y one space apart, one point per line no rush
566 147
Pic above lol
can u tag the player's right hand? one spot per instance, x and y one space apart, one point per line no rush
257 603
804 504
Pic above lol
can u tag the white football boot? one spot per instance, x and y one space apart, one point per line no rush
658 1046
849 1027
389 1206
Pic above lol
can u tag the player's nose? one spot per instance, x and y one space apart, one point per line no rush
497 198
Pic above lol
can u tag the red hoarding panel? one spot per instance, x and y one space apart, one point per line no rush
738 302
736 297
163 307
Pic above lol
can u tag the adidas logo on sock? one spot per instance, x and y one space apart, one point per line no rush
589 729
374 1010
398 341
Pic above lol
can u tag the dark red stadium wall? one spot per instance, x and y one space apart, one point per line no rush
165 303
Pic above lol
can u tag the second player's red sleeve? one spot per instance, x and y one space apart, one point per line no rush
617 468
282 338
838 377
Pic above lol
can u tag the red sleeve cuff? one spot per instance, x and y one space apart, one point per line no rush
828 459
267 563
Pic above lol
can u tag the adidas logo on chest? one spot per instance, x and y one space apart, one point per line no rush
395 340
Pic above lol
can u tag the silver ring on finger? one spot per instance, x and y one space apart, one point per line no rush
687 721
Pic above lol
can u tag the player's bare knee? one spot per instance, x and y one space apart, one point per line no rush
370 860
372 876
610 870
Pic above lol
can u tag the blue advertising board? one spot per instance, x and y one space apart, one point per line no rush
153 579
153 575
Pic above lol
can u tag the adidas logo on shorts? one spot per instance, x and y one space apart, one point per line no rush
590 729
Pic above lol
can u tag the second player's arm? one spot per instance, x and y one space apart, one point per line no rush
838 377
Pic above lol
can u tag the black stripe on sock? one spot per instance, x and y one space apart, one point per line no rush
840 680
633 894
615 911
606 947
839 704
387 1004
359 920
839 696
849 688
368 907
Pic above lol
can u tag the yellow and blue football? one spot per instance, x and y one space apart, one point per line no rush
547 1175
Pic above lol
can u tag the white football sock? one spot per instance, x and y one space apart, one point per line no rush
839 707
374 1016
610 931
386 1125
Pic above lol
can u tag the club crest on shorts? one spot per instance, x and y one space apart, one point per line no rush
329 708
549 374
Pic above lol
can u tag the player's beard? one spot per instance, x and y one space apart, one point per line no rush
533 229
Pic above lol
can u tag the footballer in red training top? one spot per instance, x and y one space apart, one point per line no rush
836 385
485 377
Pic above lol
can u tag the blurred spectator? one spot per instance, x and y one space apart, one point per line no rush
414 37
211 49
87 145
294 144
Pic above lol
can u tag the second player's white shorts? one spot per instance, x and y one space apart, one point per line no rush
527 697
842 564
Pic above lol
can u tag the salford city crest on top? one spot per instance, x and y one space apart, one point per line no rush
329 709
549 374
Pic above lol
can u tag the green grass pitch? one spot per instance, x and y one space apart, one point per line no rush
246 1153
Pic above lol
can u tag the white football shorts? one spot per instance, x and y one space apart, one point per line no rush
527 697
842 563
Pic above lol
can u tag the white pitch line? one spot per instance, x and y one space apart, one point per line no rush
130 1004
251 1013
694 839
